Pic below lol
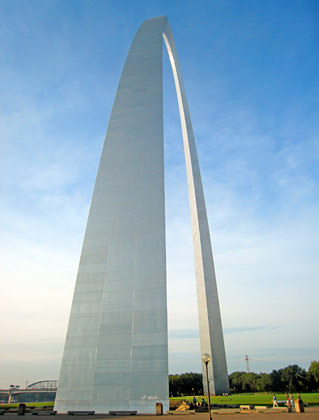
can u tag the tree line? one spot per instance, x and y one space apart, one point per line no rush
292 378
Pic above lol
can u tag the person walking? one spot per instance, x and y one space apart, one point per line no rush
299 405
274 401
292 401
288 403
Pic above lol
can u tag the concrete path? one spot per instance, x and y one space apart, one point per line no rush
312 413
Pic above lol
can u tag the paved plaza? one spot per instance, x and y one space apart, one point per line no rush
312 413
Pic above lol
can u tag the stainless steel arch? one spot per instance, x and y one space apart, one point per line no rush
116 353
211 333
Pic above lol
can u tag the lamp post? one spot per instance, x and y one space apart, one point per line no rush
206 359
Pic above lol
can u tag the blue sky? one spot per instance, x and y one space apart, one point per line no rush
250 70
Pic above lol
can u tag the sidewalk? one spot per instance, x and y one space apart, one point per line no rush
312 413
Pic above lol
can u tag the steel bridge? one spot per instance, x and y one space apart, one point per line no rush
37 391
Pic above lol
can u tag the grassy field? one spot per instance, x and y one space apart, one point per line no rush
258 398
28 404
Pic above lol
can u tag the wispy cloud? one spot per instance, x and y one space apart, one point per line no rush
188 333
183 334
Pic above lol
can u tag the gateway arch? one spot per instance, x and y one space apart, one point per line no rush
116 351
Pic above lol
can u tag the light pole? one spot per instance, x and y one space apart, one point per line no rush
206 359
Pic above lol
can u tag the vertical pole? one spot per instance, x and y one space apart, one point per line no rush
208 392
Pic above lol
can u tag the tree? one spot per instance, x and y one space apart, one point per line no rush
264 382
173 385
275 378
250 381
186 384
236 380
293 378
290 379
314 375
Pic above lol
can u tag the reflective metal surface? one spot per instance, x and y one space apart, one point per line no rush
116 355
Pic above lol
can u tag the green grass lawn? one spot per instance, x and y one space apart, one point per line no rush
258 398
28 404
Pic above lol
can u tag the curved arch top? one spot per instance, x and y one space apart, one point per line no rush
116 352
211 333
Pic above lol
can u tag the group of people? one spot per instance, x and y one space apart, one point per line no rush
290 402
185 405
196 403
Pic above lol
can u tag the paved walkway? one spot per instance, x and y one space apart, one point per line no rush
312 413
